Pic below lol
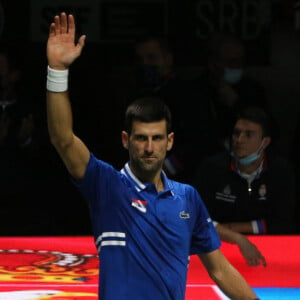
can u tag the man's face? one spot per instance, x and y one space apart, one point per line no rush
150 53
231 58
247 138
147 144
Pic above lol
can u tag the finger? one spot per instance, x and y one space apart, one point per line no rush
251 263
81 42
71 23
57 25
264 262
52 30
255 263
63 23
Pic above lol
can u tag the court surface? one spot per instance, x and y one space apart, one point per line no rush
56 268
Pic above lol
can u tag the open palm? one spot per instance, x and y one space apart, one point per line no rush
61 47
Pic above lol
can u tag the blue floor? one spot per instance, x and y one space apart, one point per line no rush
278 293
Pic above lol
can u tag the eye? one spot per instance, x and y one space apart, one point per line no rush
157 138
236 133
249 134
140 138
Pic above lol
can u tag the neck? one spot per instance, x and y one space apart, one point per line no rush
149 177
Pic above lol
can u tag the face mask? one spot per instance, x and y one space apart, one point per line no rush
250 158
232 76
148 76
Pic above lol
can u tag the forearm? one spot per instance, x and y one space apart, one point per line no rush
242 227
228 279
228 235
234 285
59 117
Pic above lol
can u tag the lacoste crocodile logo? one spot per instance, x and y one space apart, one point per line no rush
184 215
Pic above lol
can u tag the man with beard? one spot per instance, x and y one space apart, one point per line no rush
145 225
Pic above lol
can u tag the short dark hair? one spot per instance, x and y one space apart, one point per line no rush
257 115
147 109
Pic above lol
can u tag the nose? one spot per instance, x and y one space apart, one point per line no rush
149 145
238 137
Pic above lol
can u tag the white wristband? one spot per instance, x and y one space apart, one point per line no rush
255 227
57 80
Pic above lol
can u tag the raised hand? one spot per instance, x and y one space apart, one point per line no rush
62 49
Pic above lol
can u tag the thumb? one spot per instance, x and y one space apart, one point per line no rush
80 44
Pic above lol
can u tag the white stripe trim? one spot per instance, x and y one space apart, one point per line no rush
110 234
113 233
113 243
137 181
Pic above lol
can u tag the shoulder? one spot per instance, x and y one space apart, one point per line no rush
183 189
97 169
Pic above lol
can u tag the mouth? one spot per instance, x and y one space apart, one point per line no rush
238 148
149 158
240 152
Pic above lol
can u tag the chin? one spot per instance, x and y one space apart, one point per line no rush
241 156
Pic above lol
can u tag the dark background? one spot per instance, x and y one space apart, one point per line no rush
268 29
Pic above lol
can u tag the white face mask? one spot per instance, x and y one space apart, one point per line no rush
252 157
232 76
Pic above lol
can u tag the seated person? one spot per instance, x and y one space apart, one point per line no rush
227 85
249 190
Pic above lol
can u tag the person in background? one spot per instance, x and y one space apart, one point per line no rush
244 188
156 75
225 84
16 117
145 225
19 146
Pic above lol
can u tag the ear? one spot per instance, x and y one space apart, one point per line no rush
124 137
267 141
170 141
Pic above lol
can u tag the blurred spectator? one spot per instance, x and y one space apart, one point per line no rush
16 119
33 180
156 74
18 146
226 84
249 190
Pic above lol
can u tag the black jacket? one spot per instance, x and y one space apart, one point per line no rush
229 198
